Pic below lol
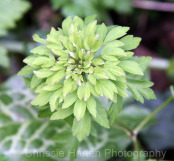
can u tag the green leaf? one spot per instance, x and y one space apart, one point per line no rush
96 46
99 73
116 70
116 33
66 25
44 113
8 18
109 74
40 61
131 67
89 19
91 27
53 87
80 91
140 88
69 99
38 39
53 99
86 93
82 127
92 79
101 30
62 113
53 37
98 89
101 117
43 73
57 77
142 61
115 109
109 58
108 88
67 86
92 89
30 59
40 87
79 21
57 67
114 51
91 106
79 109
130 42
114 43
35 82
26 70
42 99
27 81
121 87
41 50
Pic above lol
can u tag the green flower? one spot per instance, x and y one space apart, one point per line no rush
80 63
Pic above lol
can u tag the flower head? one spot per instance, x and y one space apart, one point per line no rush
76 65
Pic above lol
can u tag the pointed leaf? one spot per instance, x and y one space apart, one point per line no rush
130 42
53 99
42 99
89 19
101 117
82 128
62 113
79 109
101 30
41 50
140 88
69 99
35 81
38 39
116 33
26 70
115 109
91 106
66 25
43 73
131 67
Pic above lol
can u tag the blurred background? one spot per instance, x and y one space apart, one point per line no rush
152 20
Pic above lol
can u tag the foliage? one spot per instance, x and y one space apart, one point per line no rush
7 16
25 137
87 7
93 61
10 12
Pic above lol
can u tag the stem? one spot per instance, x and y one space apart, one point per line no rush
131 134
122 129
136 146
124 126
141 125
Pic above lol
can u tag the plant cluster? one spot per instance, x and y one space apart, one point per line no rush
8 19
80 64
